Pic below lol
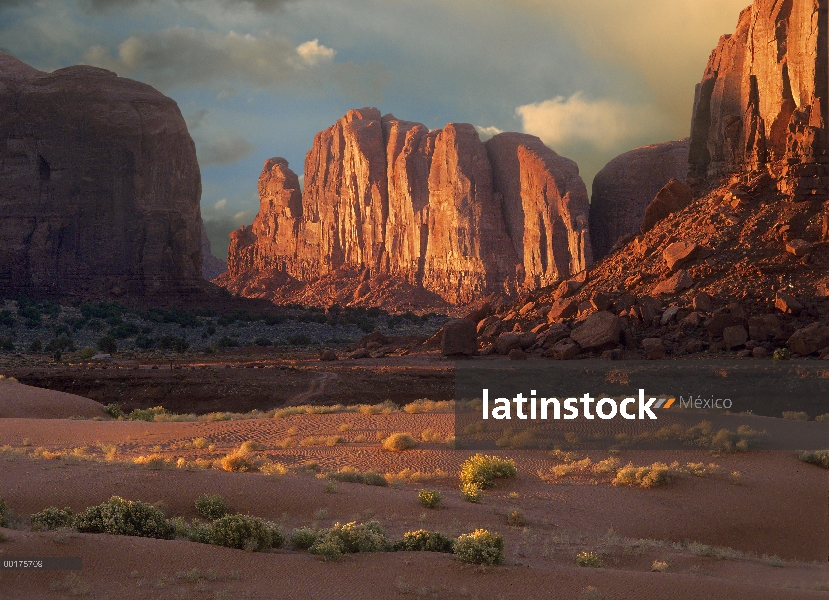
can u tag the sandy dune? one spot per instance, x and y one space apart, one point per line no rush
18 400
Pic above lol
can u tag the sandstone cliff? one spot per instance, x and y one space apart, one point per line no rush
436 210
99 186
762 102
212 266
625 187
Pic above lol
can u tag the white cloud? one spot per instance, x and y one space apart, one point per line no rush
222 149
243 216
312 53
221 204
487 132
603 124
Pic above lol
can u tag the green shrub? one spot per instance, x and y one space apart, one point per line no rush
35 346
227 342
588 559
352 475
425 541
782 354
52 518
245 533
87 353
4 513
263 342
299 339
480 547
113 409
352 537
60 344
108 344
471 492
212 507
429 498
303 538
171 342
125 517
397 442
819 457
483 470
147 414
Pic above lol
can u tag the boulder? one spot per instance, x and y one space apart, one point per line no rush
734 337
566 349
787 303
679 253
328 355
517 354
459 338
562 309
672 198
625 187
764 328
721 320
100 187
512 340
799 248
599 330
703 302
654 348
809 339
678 282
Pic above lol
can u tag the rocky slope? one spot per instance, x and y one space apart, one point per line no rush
212 266
99 186
625 187
392 212
741 265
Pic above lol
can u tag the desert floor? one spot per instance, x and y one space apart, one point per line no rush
769 525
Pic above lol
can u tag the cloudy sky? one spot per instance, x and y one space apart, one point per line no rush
258 78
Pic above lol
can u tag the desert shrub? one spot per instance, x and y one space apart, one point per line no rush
397 442
516 518
212 507
143 342
782 354
108 344
792 415
171 342
303 538
113 409
588 559
299 339
117 516
818 457
52 518
321 440
431 436
352 475
263 342
60 344
147 414
237 462
471 492
4 513
245 533
424 541
6 318
822 418
483 470
35 346
429 498
480 547
352 537
227 342
86 353
659 566
655 475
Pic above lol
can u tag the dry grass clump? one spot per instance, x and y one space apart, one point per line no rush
655 475
659 566
354 475
155 462
822 418
431 436
424 405
398 442
238 462
516 518
344 427
793 415
589 559
273 469
412 476
249 447
321 440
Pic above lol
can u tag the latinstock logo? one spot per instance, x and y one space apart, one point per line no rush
534 408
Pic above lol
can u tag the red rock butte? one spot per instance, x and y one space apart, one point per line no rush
439 210
99 186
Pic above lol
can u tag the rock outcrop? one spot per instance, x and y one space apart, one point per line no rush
99 186
762 103
438 210
211 266
625 187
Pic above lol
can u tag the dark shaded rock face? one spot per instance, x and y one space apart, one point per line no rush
438 210
212 266
623 190
99 186
762 102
